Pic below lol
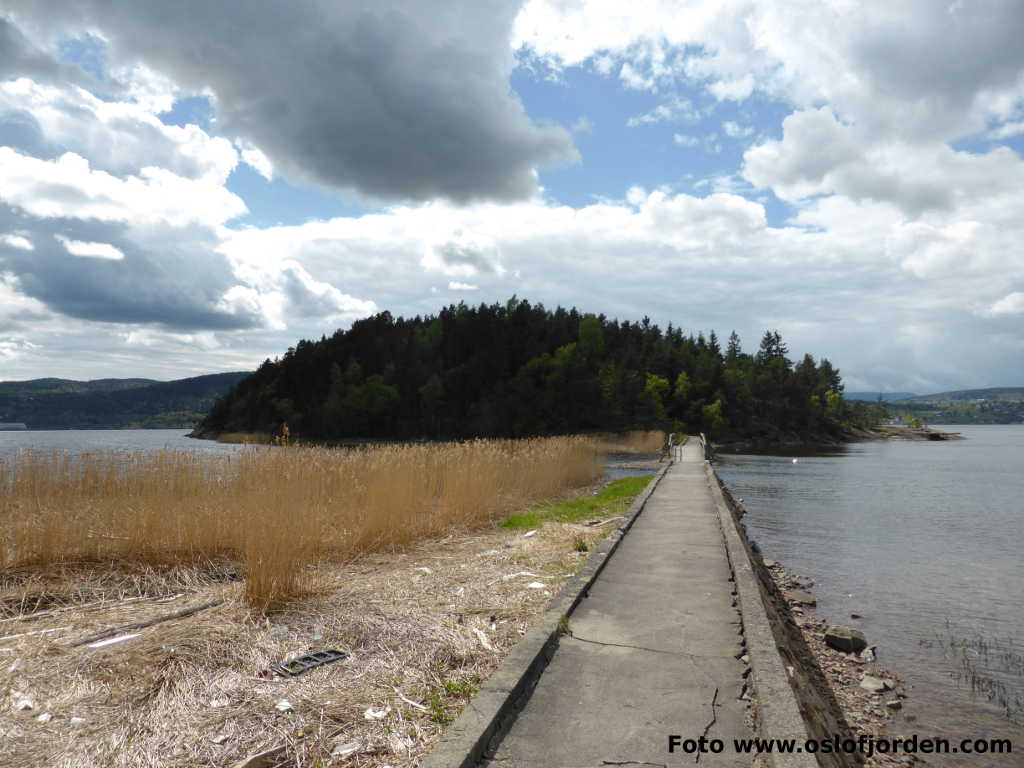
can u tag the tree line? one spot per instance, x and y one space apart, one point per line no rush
518 369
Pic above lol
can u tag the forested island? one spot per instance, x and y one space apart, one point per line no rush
112 403
518 369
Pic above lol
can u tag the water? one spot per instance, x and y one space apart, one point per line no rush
93 440
925 540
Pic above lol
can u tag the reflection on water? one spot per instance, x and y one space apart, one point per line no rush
924 539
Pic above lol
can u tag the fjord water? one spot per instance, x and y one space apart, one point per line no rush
926 541
102 440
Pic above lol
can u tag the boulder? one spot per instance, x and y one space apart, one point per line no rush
799 597
873 684
845 639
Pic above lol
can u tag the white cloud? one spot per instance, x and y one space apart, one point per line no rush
583 124
116 136
735 130
254 157
19 242
69 188
1007 130
1011 304
457 286
91 250
683 140
675 109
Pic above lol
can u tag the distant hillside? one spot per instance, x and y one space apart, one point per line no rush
115 403
872 397
995 405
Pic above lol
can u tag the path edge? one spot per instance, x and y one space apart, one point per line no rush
495 706
778 713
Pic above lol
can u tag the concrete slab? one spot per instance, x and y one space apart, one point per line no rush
653 650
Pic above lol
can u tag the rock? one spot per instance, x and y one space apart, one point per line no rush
768 563
24 704
873 684
894 704
799 597
283 706
868 654
219 739
855 616
845 639
45 717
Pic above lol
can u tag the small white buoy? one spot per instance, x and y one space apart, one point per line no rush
794 461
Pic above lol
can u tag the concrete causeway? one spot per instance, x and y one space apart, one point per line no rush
653 649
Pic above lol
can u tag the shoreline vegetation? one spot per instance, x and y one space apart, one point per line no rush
274 511
228 565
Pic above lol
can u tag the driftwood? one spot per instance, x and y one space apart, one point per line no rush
100 605
144 624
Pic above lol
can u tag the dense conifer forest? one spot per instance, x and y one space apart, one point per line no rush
519 369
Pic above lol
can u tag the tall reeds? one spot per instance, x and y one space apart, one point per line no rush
273 509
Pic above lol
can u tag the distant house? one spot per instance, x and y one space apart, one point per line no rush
8 426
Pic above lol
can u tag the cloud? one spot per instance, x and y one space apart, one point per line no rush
1011 304
456 286
91 250
676 109
735 130
389 99
583 124
116 136
19 242
683 140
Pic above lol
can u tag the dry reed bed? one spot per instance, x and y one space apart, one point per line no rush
273 509
423 628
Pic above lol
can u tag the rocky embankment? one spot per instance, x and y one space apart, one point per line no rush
869 694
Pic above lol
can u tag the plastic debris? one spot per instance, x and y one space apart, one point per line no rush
113 640
283 706
24 704
511 576
215 703
77 720
528 534
300 665
536 585
486 643
410 702
45 717
488 553
460 591
376 714
16 665
219 739
342 750
424 569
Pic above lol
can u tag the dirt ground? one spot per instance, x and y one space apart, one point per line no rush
421 629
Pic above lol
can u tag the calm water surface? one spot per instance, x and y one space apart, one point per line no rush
120 440
925 540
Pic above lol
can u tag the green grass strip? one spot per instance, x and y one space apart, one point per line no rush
614 499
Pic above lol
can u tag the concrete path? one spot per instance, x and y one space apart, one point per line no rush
653 650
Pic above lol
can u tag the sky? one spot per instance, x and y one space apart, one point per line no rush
193 187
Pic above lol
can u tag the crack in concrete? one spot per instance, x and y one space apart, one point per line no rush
652 650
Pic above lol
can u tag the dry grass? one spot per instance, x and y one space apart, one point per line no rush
185 693
638 441
274 510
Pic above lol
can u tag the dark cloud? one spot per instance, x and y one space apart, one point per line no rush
394 99
168 277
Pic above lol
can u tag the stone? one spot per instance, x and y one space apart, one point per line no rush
855 616
769 563
799 597
894 704
845 639
873 684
